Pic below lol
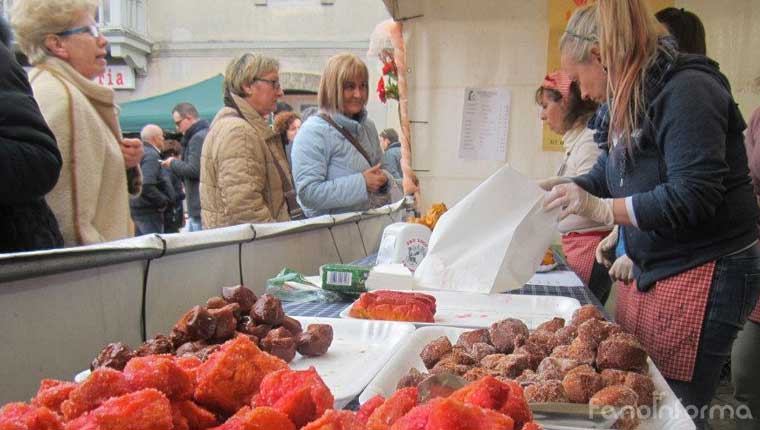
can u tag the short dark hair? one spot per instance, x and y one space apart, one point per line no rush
390 134
577 107
186 110
686 27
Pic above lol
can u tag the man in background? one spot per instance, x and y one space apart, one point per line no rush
148 208
188 168
174 218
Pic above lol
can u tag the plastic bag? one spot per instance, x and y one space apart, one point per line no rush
492 241
291 286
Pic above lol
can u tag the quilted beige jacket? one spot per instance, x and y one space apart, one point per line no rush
240 182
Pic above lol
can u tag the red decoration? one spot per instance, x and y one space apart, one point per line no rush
388 90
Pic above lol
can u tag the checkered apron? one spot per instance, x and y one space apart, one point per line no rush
755 315
579 249
668 318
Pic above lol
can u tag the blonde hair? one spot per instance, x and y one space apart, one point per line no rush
34 20
628 34
339 69
580 35
244 68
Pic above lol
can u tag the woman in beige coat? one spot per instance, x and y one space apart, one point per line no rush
244 170
100 169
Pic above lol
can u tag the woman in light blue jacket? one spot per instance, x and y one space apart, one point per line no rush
336 154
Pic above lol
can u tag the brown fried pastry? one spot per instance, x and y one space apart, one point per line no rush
580 386
412 378
566 335
585 313
594 331
622 397
546 391
512 365
552 325
467 339
508 334
535 354
434 351
621 351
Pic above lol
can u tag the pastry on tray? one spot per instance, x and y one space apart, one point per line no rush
394 306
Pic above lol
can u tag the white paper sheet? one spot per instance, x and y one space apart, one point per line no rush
566 278
485 124
492 241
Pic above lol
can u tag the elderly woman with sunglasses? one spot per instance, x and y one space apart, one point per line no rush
100 168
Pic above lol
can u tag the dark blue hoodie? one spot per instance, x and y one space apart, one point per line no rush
688 175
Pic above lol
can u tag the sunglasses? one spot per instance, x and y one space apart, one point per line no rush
93 29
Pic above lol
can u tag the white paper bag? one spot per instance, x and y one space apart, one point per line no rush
492 241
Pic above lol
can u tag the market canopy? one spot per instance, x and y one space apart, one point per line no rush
205 95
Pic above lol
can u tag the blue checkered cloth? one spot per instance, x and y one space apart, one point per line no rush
332 310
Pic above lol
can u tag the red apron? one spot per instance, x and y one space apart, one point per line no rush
580 249
755 315
668 318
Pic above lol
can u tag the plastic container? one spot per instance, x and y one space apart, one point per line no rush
668 415
405 243
344 278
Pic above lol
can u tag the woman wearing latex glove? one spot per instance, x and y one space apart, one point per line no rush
622 269
573 199
566 113
675 177
605 251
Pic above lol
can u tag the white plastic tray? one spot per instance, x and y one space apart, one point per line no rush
359 350
458 309
669 415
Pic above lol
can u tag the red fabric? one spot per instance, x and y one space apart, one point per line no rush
755 315
579 250
668 318
558 81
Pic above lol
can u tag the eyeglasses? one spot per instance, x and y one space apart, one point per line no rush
275 83
93 29
177 123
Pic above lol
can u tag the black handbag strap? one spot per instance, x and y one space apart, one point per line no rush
347 135
286 185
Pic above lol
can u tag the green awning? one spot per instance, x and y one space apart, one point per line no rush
206 96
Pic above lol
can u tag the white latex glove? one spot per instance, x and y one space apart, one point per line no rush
575 200
605 251
549 183
622 269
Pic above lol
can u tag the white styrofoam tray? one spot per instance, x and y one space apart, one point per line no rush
669 414
359 350
459 309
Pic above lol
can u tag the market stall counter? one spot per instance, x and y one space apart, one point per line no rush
332 310
580 292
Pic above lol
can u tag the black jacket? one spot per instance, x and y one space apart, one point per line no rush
29 164
189 167
692 196
157 193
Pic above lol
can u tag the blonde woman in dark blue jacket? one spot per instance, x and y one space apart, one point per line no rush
676 177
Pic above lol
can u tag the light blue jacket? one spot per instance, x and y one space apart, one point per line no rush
328 169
